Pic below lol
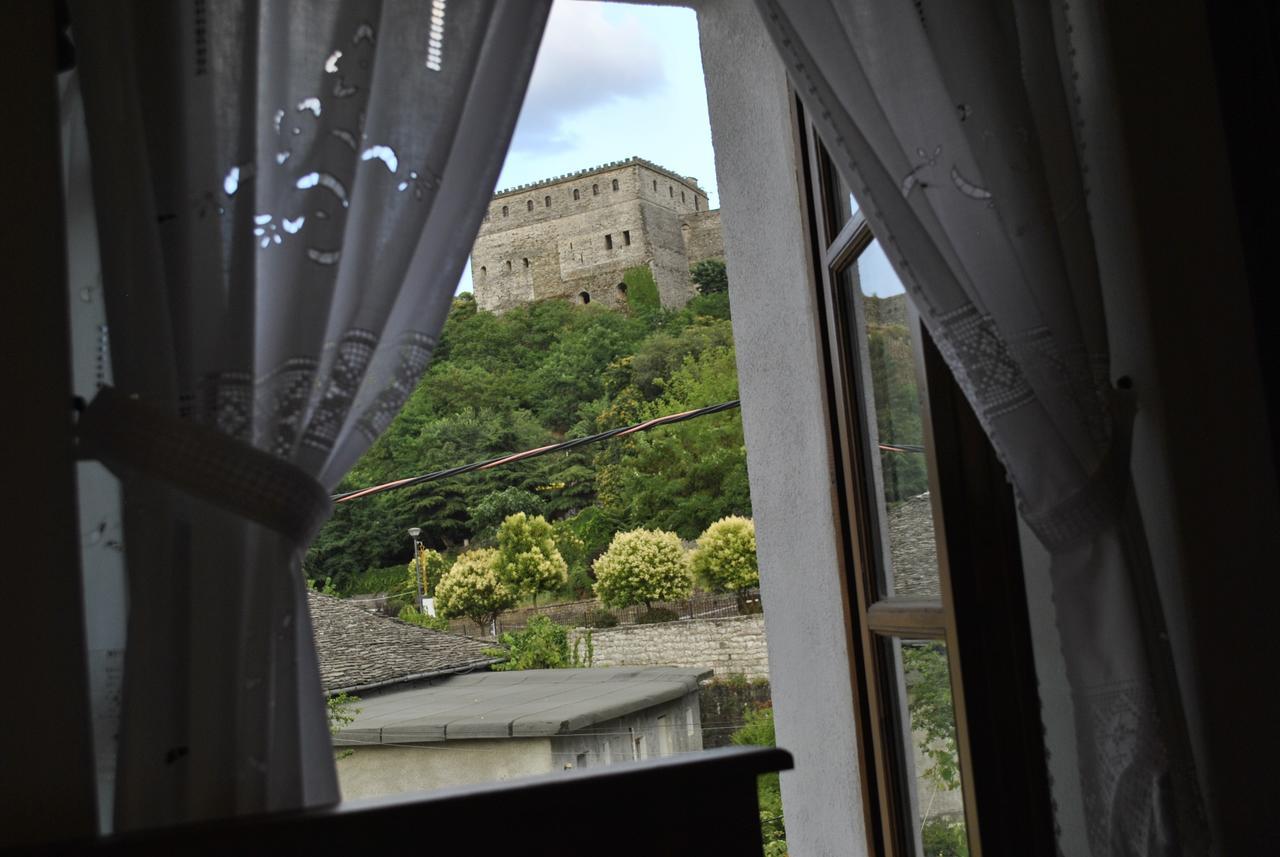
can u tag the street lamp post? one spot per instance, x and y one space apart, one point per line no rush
414 532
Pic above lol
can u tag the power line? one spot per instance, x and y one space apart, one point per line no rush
533 453
564 446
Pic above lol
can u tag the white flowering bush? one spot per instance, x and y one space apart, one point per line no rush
472 588
725 559
641 567
528 559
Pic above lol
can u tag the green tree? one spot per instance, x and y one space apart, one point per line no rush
422 620
434 566
541 645
528 561
928 681
758 731
725 559
709 276
641 567
495 507
472 588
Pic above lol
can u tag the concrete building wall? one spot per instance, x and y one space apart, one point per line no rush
674 727
538 241
789 457
733 646
389 769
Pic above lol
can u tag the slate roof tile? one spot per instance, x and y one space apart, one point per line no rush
359 649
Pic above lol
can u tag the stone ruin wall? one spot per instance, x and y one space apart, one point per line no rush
559 249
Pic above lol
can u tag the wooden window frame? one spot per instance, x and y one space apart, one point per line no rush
981 614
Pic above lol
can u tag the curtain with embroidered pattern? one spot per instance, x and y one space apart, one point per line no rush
980 141
286 195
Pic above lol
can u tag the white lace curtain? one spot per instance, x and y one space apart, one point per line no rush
286 195
979 140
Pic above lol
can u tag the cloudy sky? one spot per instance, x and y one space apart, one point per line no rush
612 81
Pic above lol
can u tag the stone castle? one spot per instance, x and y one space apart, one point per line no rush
575 237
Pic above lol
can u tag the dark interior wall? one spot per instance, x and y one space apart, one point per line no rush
1211 408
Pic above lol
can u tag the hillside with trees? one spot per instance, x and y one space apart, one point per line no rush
536 375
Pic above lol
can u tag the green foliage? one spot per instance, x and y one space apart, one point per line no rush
472 588
325 588
896 397
642 290
642 566
943 837
725 559
709 276
341 710
528 560
541 645
758 731
422 620
530 377
598 617
492 509
434 566
928 681
686 475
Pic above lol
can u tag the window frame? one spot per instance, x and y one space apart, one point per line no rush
980 582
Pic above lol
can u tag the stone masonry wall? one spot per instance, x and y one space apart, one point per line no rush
733 646
538 241
702 236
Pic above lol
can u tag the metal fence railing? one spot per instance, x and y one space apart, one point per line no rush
703 605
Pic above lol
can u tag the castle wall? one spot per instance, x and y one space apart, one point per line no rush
702 236
548 244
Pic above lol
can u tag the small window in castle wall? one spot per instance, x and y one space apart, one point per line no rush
615 184
529 205
682 196
608 242
504 211
626 238
595 190
655 185
546 202
695 203
585 297
622 291
508 264
526 263
483 272
576 195
671 191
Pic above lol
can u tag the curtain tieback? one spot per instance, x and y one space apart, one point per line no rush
135 438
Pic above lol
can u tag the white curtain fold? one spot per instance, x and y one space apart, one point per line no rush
974 135
286 195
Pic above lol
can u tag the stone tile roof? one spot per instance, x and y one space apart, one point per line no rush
517 704
913 548
360 650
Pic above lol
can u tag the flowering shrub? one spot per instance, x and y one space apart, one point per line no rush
528 559
726 556
472 588
641 567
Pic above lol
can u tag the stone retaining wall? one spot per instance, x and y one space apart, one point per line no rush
733 646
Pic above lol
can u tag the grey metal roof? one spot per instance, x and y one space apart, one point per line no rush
360 650
516 704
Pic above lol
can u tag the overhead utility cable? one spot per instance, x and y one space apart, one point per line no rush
564 446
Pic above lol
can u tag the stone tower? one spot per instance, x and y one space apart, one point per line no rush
574 237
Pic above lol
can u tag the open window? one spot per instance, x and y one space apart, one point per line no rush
923 566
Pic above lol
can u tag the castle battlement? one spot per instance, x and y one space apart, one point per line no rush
574 236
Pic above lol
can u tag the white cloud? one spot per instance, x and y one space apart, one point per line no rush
587 58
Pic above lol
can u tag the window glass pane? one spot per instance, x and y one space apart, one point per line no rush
928 734
839 198
896 432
